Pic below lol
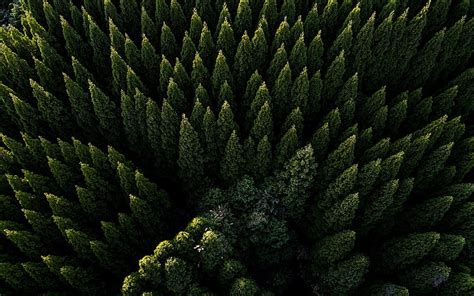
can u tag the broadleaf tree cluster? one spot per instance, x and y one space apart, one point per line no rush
290 147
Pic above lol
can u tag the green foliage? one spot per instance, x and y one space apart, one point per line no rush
317 147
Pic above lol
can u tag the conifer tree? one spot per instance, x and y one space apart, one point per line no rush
195 27
169 129
119 71
151 62
100 46
148 27
282 35
296 119
199 73
111 14
263 161
225 125
177 18
231 163
153 125
74 42
206 45
282 91
224 14
243 17
297 29
169 46
288 10
334 75
162 12
279 60
220 73
310 130
260 48
226 94
263 125
287 146
362 46
298 54
243 66
342 42
209 125
315 53
188 50
270 11
201 93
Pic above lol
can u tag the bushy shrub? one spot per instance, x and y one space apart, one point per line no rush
264 147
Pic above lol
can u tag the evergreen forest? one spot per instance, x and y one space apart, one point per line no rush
237 147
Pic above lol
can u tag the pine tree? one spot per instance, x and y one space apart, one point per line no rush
282 35
151 62
166 72
169 46
119 71
288 10
279 60
298 54
224 14
211 137
148 26
231 163
206 45
129 119
260 48
329 16
315 53
333 77
263 125
336 278
269 10
225 125
342 42
74 43
263 159
226 95
297 177
286 147
51 109
188 50
296 119
300 91
243 17
362 46
281 91
401 252
253 84
332 248
111 14
243 66
81 105
100 46
153 123
220 73
176 96
162 12
199 73
201 94
132 54
195 27
105 111
177 18
169 129
297 29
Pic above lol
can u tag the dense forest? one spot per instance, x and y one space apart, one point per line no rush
251 147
